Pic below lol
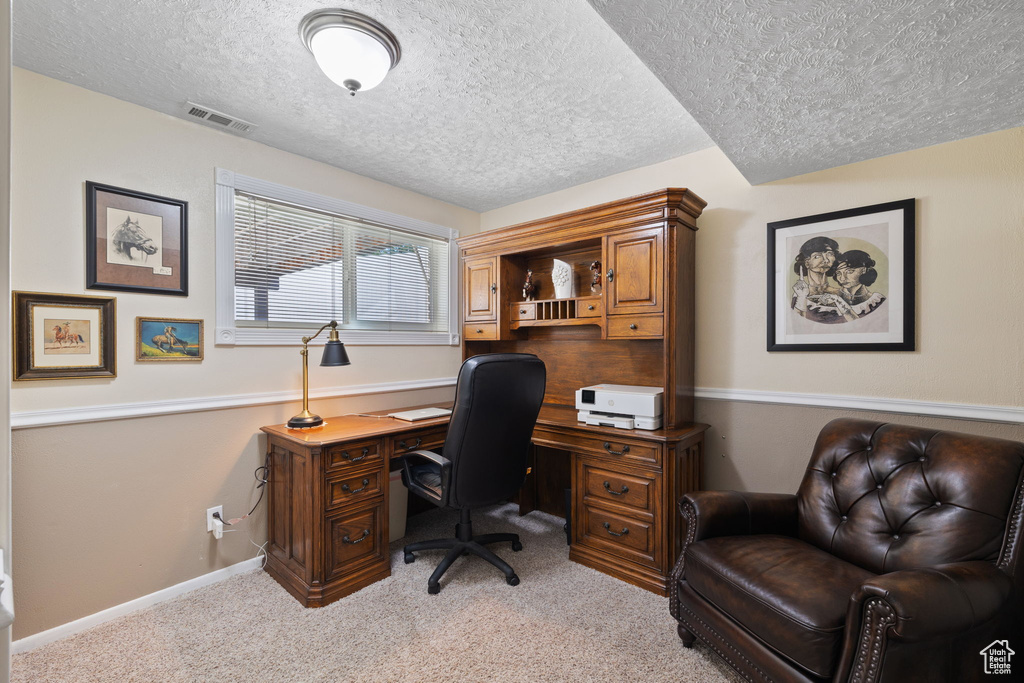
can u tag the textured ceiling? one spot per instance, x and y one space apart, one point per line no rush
786 87
493 101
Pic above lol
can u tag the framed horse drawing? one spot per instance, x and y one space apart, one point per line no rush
60 336
135 242
168 339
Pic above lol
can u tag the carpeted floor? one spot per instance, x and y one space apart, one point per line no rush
564 622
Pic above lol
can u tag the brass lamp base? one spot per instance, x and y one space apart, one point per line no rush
305 420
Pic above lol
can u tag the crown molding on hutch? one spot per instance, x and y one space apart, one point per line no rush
62 416
963 411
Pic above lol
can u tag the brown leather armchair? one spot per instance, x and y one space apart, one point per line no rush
896 560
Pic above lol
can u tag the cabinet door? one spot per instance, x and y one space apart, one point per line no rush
636 260
481 281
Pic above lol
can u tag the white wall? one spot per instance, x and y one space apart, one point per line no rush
106 512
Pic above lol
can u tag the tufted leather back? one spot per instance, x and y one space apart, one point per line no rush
888 497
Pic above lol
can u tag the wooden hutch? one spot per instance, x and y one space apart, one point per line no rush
637 329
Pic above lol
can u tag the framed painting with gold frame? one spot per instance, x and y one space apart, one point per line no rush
168 339
61 336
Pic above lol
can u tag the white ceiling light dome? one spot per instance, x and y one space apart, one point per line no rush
353 50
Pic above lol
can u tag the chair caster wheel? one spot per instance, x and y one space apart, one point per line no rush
516 546
409 558
512 580
433 588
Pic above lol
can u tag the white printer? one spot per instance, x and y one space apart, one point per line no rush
620 405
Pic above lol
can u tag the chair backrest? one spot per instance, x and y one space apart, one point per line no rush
888 497
497 399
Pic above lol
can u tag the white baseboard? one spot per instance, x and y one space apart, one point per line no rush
62 416
962 411
79 625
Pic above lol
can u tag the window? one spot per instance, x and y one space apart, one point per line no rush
289 259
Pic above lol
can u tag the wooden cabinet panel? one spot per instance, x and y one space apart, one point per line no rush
589 308
636 260
619 534
613 448
430 439
353 454
471 331
345 489
481 283
523 310
354 539
631 489
636 326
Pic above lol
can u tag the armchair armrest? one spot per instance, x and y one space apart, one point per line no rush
736 513
934 602
415 458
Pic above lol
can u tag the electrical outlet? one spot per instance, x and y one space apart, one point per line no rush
211 522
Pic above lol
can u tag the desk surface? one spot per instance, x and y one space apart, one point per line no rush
349 427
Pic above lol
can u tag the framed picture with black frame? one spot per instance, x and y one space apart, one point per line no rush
63 336
843 281
135 242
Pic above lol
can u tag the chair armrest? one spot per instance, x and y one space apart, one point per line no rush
933 602
411 459
736 513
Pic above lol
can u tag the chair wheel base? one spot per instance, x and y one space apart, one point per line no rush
433 588
516 546
409 558
512 580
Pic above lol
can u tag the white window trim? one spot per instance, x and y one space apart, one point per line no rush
230 335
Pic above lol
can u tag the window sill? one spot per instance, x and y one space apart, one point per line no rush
257 336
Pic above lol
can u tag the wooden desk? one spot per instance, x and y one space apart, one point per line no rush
328 498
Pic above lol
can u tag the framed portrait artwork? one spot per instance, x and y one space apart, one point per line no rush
168 339
843 281
60 336
135 242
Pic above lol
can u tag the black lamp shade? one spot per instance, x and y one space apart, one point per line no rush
334 354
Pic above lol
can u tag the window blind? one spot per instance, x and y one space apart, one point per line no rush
300 267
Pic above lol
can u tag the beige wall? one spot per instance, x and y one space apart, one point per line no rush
970 261
107 512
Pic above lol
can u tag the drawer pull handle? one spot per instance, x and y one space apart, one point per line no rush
345 455
608 447
590 307
632 326
366 532
610 275
608 528
608 488
479 331
522 311
346 489
419 440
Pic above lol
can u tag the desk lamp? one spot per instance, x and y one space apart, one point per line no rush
334 355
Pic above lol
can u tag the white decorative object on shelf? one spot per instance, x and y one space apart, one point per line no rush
562 279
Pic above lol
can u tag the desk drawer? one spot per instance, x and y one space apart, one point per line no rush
428 439
355 540
621 535
618 449
634 490
343 488
471 331
589 308
523 310
352 454
636 326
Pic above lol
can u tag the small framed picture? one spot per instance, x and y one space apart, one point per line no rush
168 339
843 281
60 336
135 242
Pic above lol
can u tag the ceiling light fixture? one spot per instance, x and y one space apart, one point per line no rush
355 51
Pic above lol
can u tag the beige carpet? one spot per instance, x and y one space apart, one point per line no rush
564 622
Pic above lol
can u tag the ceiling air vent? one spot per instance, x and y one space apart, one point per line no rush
219 119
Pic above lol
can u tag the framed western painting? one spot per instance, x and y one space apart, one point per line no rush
135 242
168 339
843 281
59 336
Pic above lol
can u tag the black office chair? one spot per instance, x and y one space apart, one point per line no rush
497 399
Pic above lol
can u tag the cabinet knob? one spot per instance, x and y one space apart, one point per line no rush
632 326
494 286
479 331
590 307
522 311
610 275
